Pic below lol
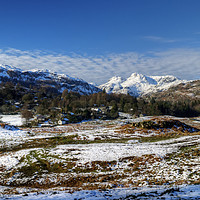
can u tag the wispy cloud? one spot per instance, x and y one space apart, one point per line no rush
183 63
159 39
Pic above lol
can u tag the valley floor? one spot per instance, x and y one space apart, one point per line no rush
102 160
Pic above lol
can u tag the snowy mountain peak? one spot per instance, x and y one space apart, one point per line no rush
137 75
139 84
116 79
113 85
138 78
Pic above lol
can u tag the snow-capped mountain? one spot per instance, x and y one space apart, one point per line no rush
138 84
45 78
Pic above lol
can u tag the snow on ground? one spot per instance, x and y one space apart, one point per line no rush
10 134
167 193
111 151
15 120
10 160
92 152
182 140
83 153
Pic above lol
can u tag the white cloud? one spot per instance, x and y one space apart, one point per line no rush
183 63
159 39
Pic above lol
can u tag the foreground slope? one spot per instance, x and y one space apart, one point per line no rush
102 155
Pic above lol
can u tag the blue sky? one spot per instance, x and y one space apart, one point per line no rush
130 33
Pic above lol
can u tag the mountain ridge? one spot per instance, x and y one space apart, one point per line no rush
39 78
140 85
135 85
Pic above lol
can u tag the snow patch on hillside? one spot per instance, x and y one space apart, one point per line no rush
11 133
112 151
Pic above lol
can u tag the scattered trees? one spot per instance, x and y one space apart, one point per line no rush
27 115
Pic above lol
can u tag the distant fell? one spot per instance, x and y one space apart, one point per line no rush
140 85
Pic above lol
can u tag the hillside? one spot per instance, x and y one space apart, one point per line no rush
183 91
139 85
40 78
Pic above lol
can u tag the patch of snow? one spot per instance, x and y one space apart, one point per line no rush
10 160
10 134
15 120
112 151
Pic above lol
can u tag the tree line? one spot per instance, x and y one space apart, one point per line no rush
48 101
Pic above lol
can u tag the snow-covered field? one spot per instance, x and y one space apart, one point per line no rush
100 160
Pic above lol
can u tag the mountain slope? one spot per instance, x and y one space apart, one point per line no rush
139 85
40 78
189 91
